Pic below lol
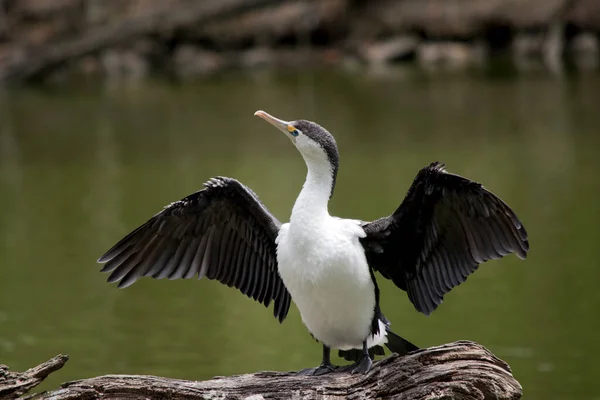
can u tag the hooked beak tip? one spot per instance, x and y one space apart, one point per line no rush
276 122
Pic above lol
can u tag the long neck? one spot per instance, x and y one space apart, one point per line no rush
311 206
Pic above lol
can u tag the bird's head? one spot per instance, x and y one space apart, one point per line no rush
314 142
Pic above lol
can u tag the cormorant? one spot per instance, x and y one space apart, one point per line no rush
444 228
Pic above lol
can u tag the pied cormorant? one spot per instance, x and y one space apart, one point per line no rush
444 228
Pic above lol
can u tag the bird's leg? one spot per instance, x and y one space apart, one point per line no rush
325 367
364 364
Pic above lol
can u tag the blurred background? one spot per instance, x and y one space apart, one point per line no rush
111 109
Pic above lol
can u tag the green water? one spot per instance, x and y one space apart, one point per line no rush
80 166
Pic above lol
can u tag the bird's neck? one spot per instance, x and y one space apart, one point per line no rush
311 208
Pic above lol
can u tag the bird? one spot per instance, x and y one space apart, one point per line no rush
443 229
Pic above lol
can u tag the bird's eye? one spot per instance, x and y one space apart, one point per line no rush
295 132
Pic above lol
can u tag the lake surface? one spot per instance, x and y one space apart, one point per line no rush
82 165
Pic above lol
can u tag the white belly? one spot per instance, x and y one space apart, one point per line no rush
328 278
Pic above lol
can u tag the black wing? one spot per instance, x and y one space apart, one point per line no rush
446 226
222 232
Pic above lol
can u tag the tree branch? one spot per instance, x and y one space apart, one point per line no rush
459 370
15 384
34 61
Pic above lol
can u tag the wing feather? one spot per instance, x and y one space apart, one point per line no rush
213 269
118 259
166 253
446 226
206 248
230 255
222 232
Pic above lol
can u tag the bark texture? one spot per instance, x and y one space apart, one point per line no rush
459 370
15 384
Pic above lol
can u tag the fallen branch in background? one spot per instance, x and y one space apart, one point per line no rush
459 370
130 39
35 61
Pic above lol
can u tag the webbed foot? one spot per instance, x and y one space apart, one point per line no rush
320 370
324 369
363 366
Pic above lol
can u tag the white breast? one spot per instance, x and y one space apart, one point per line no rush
326 272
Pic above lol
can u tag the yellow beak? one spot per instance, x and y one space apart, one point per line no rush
282 125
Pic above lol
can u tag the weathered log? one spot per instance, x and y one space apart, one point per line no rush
459 18
31 62
15 384
459 370
294 18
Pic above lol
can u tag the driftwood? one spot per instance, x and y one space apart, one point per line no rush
35 61
459 370
15 384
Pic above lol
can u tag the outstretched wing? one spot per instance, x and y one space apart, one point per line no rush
446 226
222 232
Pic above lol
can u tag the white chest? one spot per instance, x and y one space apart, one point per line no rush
327 275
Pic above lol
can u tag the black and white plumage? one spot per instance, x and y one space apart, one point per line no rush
446 226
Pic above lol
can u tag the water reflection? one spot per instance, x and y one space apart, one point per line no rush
81 166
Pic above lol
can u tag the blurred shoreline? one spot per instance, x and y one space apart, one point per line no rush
56 39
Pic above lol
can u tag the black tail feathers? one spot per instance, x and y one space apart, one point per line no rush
395 344
399 345
356 354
